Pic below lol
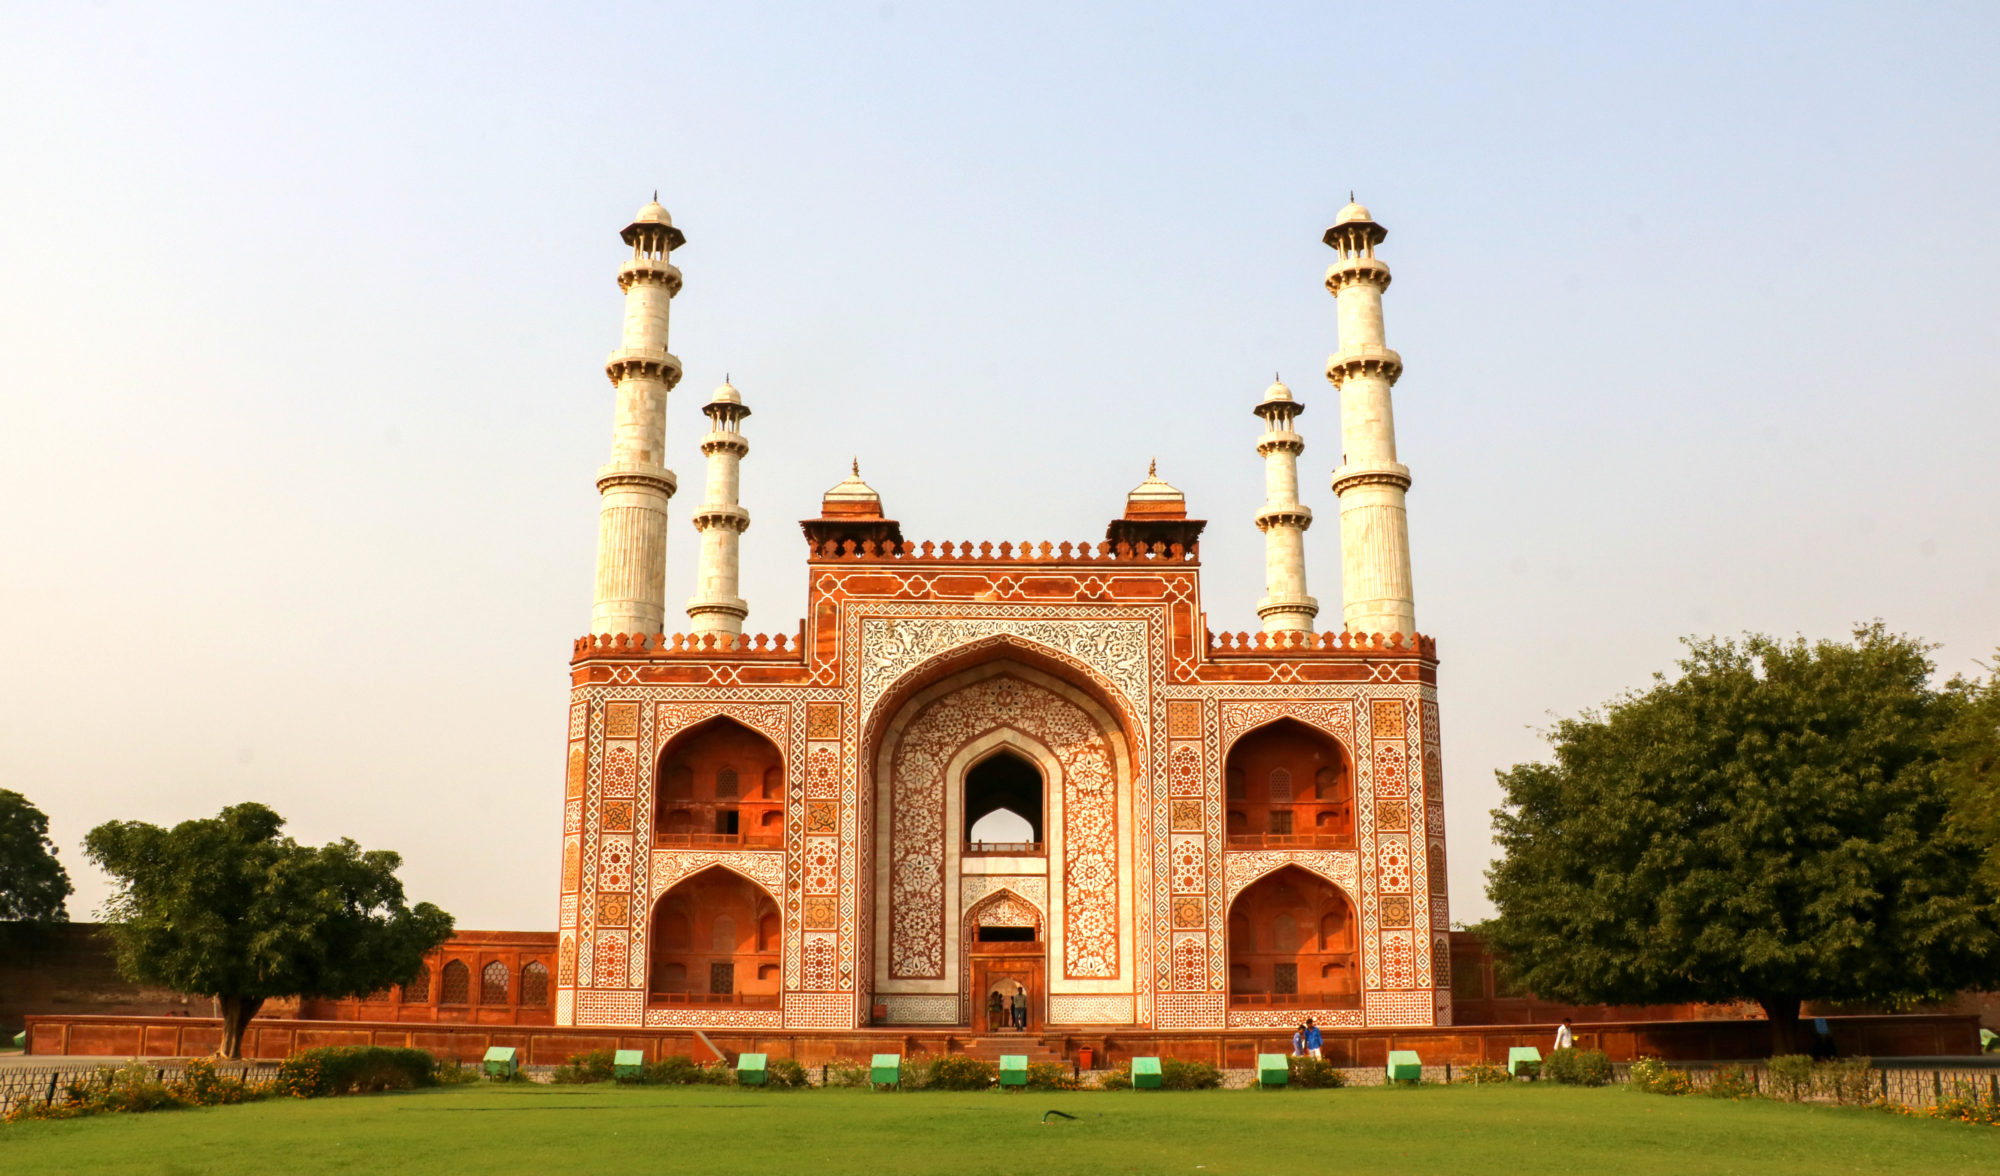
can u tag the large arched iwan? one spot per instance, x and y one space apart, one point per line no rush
719 784
1292 944
716 941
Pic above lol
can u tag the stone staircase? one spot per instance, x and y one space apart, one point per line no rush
990 1048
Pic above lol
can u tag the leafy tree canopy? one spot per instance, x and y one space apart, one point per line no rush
227 906
33 884
1971 766
1769 826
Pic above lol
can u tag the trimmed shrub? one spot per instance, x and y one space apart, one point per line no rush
1966 1105
1119 1079
200 1084
353 1069
1051 1076
675 1070
1314 1074
1654 1076
595 1066
785 1074
1845 1081
958 1072
1732 1082
1791 1077
1481 1074
1578 1067
846 1072
1179 1075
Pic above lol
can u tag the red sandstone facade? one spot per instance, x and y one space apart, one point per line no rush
1228 831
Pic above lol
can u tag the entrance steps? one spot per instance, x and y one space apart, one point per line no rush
991 1047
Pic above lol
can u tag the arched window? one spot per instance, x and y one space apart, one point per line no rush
418 990
722 934
1299 789
725 783
1281 786
767 972
493 984
1434 859
457 986
535 985
1003 783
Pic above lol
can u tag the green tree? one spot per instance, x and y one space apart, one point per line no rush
33 884
230 908
1769 826
1971 767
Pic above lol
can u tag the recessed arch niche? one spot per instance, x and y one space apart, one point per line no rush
1288 785
1293 944
719 783
716 941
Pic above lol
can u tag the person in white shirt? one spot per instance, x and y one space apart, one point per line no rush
1564 1038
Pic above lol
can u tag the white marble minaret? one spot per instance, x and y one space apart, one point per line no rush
1285 607
1376 596
721 520
631 595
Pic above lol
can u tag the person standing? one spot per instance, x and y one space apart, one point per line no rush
996 1007
1314 1040
1020 1007
1299 1042
1564 1038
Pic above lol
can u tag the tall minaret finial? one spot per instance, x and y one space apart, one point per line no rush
1285 607
857 467
1375 586
631 593
716 607
1153 468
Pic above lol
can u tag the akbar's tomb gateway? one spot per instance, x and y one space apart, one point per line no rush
999 768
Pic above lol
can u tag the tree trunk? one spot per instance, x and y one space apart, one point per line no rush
236 1014
1783 1013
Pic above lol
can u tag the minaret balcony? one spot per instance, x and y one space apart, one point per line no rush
1356 271
1291 515
659 364
1366 359
650 269
1388 473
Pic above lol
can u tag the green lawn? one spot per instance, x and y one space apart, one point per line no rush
713 1130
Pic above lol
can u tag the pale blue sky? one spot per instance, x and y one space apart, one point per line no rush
303 312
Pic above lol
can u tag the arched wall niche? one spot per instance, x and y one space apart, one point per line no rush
1288 785
1294 942
716 941
714 788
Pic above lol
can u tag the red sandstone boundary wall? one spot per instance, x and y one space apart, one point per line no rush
1885 1036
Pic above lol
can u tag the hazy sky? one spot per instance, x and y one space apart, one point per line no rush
303 313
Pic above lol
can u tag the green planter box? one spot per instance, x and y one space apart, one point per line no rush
1524 1061
1404 1066
1145 1073
1272 1070
501 1061
628 1063
885 1070
1013 1069
752 1069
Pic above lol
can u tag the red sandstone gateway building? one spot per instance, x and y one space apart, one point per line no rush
989 768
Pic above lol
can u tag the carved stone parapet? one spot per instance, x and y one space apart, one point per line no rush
725 443
1366 359
633 473
1280 441
1391 473
662 365
643 270
1356 271
1294 515
722 516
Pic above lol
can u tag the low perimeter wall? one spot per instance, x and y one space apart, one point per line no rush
1925 1035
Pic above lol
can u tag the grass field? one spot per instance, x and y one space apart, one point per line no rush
717 1130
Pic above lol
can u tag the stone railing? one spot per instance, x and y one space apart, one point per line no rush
1245 644
1008 553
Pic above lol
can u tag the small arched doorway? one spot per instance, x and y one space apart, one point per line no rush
1005 986
1292 944
715 942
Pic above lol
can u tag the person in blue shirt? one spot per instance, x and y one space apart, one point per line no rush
1299 1042
1313 1040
